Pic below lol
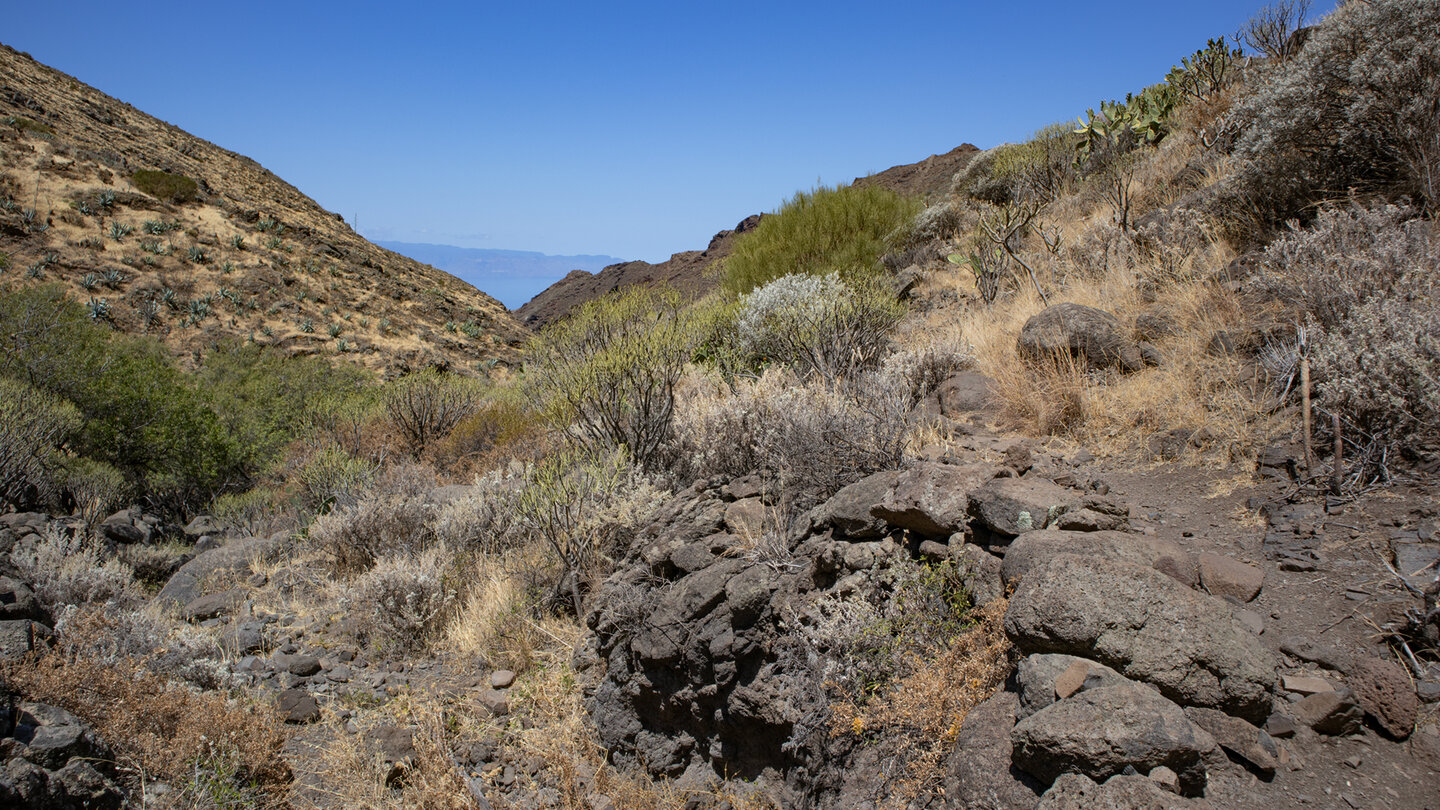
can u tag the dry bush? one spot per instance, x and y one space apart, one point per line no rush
382 524
328 476
1348 256
426 405
497 619
144 639
819 326
499 432
213 751
404 600
917 717
1272 30
807 440
72 570
1357 109
1380 366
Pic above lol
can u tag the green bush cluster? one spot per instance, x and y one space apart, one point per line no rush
178 439
606 375
165 186
842 230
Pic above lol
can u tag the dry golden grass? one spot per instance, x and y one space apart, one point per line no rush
918 717
495 620
200 743
349 773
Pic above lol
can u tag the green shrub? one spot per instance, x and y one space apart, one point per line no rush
141 414
841 230
1357 109
95 487
1041 168
609 370
426 405
34 426
176 188
332 477
266 399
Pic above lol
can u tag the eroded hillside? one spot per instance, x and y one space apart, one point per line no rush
166 234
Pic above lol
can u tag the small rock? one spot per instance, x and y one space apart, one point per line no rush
1306 685
495 702
1223 576
1384 691
1333 713
297 706
1280 725
502 679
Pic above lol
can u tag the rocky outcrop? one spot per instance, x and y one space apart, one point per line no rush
1101 732
1146 626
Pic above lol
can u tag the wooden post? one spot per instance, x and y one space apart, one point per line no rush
1339 473
1305 412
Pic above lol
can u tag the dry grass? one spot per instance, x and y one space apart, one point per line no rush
496 619
202 744
917 719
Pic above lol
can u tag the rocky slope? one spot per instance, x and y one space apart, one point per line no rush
237 253
691 273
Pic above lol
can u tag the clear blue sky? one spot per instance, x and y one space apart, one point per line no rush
634 129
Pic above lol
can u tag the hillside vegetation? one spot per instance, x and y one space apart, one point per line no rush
1105 477
158 232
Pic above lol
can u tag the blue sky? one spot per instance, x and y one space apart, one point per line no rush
634 129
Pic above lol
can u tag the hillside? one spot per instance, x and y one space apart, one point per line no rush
690 271
687 272
220 248
929 178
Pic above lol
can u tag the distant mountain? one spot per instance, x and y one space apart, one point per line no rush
513 276
688 272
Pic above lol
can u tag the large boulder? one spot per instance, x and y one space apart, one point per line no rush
52 736
20 637
1011 506
933 499
981 773
963 393
1092 336
187 584
1032 549
848 511
1146 626
18 601
1073 791
1102 732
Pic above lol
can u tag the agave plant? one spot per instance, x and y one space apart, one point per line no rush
333 329
307 326
114 278
169 298
196 254
199 309
90 282
99 309
237 241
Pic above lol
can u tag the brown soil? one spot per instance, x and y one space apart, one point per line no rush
65 146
